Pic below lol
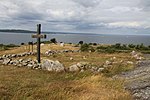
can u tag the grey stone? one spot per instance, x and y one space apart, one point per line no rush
30 65
13 55
100 69
73 68
11 62
6 61
4 56
19 65
108 62
83 65
20 60
94 69
50 65
29 60
24 64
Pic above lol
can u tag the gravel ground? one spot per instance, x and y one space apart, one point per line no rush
138 80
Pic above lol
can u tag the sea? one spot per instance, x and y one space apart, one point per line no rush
18 38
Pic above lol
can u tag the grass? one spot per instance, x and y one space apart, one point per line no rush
27 84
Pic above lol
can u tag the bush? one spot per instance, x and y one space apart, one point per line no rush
84 47
131 46
101 47
110 50
53 40
80 42
91 49
11 45
117 46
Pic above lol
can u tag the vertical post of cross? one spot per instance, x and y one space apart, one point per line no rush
38 42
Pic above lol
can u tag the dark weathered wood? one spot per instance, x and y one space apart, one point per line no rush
38 36
38 42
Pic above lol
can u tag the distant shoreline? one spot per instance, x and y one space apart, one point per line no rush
12 31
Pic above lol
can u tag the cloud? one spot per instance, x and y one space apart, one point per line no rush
125 24
88 3
75 15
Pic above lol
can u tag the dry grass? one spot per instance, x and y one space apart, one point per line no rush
22 83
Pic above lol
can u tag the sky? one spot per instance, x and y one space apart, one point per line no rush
87 16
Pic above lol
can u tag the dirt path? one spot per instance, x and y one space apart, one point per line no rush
138 80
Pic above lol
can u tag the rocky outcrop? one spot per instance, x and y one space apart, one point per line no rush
138 80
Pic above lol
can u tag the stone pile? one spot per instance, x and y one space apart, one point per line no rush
52 52
83 66
56 66
17 55
21 63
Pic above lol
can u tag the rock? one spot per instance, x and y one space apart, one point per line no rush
13 55
19 65
114 58
6 61
11 62
50 65
94 69
42 44
24 64
100 69
30 65
1 58
20 60
133 53
4 56
74 68
130 62
29 60
83 65
71 58
62 44
108 62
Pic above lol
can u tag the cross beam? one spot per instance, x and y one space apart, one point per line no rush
38 36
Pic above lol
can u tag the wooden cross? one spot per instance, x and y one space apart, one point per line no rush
38 36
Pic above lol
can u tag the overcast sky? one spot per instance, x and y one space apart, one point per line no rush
94 16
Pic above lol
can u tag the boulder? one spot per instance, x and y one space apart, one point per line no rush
19 65
30 65
4 56
100 69
24 64
83 65
51 65
20 60
74 68
6 61
13 55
